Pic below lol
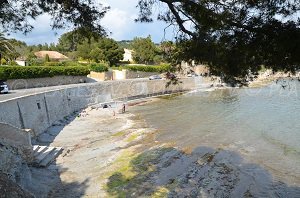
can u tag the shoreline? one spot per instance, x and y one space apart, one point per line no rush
92 141
127 160
118 152
267 77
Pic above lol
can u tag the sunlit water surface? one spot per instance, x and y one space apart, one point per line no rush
261 124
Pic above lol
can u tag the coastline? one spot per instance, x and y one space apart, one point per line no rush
120 156
267 77
125 159
94 141
107 155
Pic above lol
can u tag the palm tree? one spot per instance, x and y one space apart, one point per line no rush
5 47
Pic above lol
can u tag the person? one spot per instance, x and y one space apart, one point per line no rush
123 108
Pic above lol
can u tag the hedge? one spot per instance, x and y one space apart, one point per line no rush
98 68
146 68
20 72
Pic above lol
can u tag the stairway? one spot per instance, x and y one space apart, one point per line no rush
44 155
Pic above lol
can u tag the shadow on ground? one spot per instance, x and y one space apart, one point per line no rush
47 137
47 183
205 172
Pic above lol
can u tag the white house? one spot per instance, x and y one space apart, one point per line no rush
21 61
127 56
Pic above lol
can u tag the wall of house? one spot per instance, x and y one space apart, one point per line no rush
21 62
40 111
45 82
101 76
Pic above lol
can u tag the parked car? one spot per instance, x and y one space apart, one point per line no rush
155 77
192 75
3 87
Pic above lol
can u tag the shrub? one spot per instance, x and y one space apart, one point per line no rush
146 68
47 58
64 63
98 68
13 63
3 62
35 62
19 72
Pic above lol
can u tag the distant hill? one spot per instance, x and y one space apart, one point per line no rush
125 44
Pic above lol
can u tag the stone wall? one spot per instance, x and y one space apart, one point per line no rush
40 111
45 82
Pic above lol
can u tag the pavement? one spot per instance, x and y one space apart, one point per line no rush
14 94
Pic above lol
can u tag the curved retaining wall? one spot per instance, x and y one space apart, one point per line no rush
40 111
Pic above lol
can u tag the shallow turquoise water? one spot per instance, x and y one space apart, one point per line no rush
261 124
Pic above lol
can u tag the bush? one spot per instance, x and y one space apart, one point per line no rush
35 62
3 62
146 68
20 72
64 63
98 68
54 64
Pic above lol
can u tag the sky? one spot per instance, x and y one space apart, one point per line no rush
119 20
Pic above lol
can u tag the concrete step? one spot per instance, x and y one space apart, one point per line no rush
38 150
43 154
51 156
35 148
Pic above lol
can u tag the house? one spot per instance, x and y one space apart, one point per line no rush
53 55
21 61
127 56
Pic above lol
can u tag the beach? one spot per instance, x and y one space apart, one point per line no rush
122 156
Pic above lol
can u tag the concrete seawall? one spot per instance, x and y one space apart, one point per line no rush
40 111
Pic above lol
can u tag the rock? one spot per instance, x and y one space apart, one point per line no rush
14 166
8 188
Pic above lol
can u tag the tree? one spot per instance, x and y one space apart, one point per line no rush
69 41
144 50
6 48
111 51
83 50
167 49
47 58
104 49
232 37
97 55
16 15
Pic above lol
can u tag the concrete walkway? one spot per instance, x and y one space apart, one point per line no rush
14 94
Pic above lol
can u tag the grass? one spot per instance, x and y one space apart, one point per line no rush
119 134
170 96
160 192
132 137
132 175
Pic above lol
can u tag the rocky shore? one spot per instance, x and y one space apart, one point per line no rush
268 76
